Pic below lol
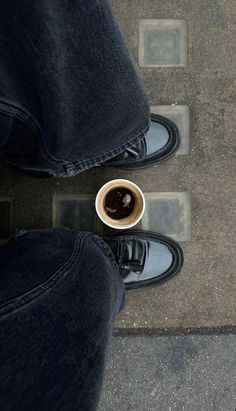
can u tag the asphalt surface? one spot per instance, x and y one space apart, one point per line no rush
182 373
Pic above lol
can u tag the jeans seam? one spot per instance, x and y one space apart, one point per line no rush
9 132
108 251
110 255
16 303
29 120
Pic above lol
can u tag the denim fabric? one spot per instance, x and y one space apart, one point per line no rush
70 96
60 292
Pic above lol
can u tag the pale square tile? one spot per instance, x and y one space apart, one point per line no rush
168 213
180 115
162 43
76 211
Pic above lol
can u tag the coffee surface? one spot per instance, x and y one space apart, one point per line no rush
119 203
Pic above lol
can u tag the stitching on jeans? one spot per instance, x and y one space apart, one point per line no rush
107 250
22 114
29 124
9 131
115 149
30 121
16 303
99 158
93 161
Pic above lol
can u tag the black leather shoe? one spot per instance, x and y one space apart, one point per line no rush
160 143
145 258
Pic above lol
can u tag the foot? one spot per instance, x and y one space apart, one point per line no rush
145 258
160 143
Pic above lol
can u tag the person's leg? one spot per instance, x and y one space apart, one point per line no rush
60 292
70 96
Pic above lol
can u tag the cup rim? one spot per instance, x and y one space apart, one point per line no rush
124 227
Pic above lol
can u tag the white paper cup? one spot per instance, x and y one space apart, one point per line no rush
137 212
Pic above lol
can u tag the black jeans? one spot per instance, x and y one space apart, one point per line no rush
70 97
60 292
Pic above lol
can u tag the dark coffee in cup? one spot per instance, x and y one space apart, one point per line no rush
119 203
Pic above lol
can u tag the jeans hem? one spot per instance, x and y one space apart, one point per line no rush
59 167
75 167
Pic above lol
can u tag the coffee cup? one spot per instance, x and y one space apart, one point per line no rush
120 204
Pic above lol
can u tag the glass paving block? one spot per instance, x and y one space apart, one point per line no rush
180 115
162 43
168 213
5 208
76 212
